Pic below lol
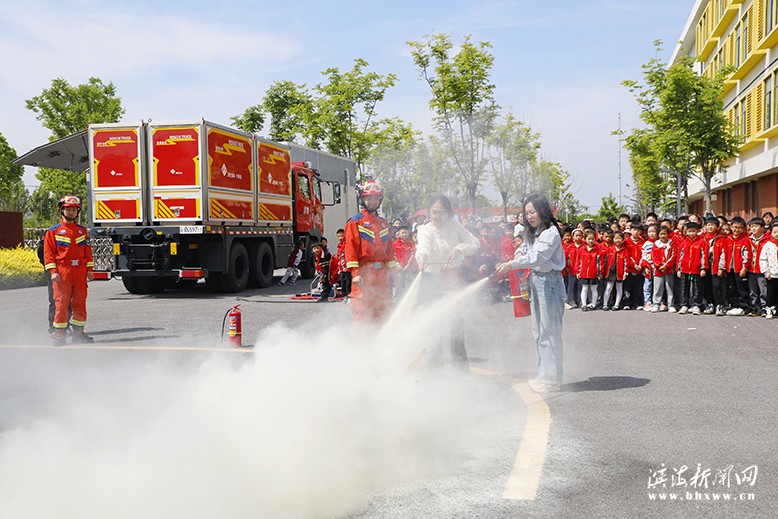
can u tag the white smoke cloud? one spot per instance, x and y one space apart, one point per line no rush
310 425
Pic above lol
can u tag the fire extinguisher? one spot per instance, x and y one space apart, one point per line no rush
519 292
234 331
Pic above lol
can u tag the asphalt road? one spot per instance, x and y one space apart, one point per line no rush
338 435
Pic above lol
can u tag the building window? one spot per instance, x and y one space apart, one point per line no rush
744 40
743 121
738 37
769 15
768 99
747 201
755 197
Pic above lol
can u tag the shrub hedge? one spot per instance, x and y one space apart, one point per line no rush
20 268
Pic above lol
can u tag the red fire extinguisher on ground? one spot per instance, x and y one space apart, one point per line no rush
234 331
519 292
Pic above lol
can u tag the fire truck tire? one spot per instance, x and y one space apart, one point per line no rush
151 285
237 276
261 265
131 284
307 266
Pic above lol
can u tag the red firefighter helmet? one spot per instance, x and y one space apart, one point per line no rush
370 188
69 201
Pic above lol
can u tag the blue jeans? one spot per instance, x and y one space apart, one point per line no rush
547 302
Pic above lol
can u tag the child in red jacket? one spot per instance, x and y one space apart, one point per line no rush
663 268
757 284
634 282
740 257
589 269
571 262
616 267
404 252
719 249
693 266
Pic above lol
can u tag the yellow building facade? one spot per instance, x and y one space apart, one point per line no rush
742 34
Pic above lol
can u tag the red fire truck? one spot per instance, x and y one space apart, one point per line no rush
192 200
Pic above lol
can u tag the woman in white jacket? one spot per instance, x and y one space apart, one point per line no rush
443 243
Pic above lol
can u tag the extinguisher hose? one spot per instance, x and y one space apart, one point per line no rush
224 321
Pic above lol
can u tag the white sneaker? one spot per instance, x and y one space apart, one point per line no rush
648 307
736 311
769 312
696 310
655 309
568 306
684 310
663 307
671 309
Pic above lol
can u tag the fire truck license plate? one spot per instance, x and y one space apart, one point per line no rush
191 229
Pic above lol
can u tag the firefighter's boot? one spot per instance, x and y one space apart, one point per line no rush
59 338
80 337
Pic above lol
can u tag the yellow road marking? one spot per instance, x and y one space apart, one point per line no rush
140 348
525 476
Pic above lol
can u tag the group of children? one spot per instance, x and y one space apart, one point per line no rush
711 266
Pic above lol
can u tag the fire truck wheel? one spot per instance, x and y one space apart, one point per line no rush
261 265
131 284
237 276
307 265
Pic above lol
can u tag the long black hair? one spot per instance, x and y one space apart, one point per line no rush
543 208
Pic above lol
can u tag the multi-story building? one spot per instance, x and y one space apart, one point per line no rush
742 34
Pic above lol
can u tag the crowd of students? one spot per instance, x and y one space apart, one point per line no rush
698 266
693 265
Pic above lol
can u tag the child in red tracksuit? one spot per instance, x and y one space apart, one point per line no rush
344 276
719 250
571 264
663 267
693 266
757 284
740 258
616 267
404 252
589 269
634 282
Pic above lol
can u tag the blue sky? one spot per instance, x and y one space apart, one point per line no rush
558 65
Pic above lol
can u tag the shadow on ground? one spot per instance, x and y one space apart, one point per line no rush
604 384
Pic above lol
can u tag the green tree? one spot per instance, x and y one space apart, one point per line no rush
13 194
65 110
686 125
550 180
462 99
609 206
343 116
391 162
512 148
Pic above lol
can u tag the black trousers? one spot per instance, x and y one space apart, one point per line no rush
739 295
344 280
692 290
757 288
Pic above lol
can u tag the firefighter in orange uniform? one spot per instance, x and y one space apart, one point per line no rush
68 258
369 257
